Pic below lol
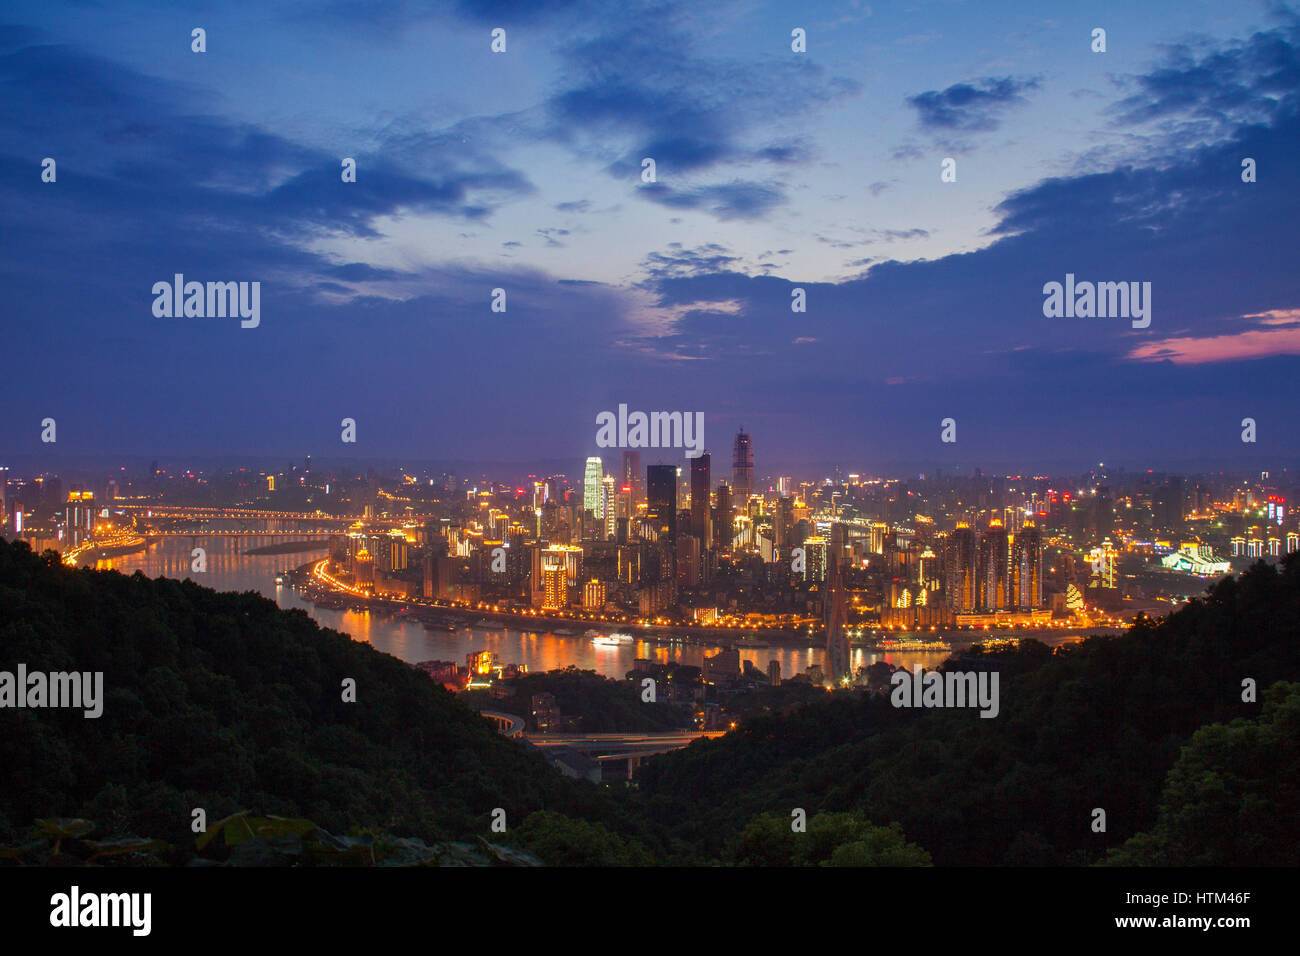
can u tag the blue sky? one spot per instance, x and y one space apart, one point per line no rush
775 171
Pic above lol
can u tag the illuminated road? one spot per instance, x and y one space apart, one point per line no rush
622 746
215 533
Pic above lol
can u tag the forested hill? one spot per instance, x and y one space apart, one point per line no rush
225 702
1098 726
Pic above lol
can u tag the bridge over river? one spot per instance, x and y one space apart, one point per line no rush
630 748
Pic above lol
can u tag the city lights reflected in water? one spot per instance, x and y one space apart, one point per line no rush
230 569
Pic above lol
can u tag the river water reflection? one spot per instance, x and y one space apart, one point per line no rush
230 569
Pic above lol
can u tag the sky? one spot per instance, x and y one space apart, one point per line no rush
775 171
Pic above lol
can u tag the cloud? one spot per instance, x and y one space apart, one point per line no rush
971 107
737 199
1230 347
708 259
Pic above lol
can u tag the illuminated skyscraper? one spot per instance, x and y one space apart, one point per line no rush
701 518
78 517
1027 568
815 559
994 568
591 487
742 466
960 586
607 506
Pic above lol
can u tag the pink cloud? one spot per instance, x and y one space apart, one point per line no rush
1255 343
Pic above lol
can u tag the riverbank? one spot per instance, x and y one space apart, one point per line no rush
756 638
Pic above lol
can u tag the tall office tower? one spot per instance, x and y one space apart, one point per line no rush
632 474
701 519
783 523
723 519
995 568
661 501
961 568
836 665
742 466
591 487
608 505
1027 567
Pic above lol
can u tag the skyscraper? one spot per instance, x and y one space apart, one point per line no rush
961 569
742 466
591 487
1027 567
815 559
723 518
994 568
783 523
607 506
661 501
701 519
632 474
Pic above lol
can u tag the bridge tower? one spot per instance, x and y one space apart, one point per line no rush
837 640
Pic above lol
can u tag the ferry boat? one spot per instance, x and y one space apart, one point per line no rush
911 644
609 640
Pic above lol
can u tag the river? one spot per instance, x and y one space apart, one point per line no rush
229 569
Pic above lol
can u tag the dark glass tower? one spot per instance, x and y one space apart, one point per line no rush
742 467
661 500
701 518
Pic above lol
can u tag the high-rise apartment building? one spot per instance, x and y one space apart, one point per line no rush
961 565
1027 568
994 568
